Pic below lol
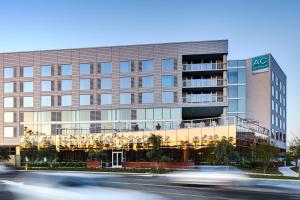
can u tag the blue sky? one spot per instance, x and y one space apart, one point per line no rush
252 27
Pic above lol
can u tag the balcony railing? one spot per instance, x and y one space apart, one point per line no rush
203 67
204 83
203 98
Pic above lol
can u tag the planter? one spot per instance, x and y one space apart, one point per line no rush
93 164
162 165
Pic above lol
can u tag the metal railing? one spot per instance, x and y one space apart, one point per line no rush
203 98
203 83
203 67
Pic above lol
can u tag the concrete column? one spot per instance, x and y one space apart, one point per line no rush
18 156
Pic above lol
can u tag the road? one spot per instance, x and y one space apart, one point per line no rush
158 185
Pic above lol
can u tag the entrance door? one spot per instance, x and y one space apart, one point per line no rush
117 159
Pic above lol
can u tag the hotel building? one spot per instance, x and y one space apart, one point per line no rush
112 97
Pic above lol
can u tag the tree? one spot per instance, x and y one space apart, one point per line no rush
155 153
295 149
266 153
225 152
4 154
221 152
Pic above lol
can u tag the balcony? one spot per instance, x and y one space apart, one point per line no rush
206 83
204 67
203 98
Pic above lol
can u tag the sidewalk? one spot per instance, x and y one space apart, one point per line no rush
286 171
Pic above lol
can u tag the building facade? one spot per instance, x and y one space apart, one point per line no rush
257 92
135 88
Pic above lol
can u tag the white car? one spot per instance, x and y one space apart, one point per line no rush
70 188
209 175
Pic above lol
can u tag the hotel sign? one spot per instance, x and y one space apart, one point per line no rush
260 64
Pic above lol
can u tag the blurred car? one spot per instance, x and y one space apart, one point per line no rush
69 187
5 194
210 176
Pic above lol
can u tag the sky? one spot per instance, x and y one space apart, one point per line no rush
253 27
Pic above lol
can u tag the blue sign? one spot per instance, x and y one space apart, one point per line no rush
260 64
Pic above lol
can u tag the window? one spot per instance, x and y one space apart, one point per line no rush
28 86
66 100
106 83
46 70
46 101
8 87
167 65
9 102
8 72
147 65
66 70
27 71
66 85
106 99
85 69
273 91
147 97
85 100
168 97
125 98
27 102
147 81
167 81
85 84
46 86
105 68
9 117
125 82
125 66
9 132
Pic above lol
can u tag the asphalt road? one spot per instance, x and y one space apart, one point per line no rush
159 186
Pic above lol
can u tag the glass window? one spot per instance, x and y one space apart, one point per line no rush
8 87
66 100
125 82
232 76
147 81
125 66
242 91
9 132
233 91
44 116
28 86
85 99
8 102
167 65
106 99
105 68
147 65
27 102
46 70
85 69
85 84
157 114
125 98
46 86
27 71
241 75
28 117
232 105
66 70
45 101
66 85
167 81
8 72
106 83
147 97
9 117
168 97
